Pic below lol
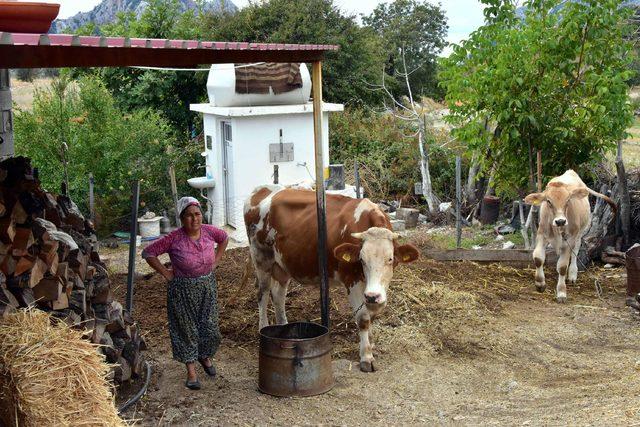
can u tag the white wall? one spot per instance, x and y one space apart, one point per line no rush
251 166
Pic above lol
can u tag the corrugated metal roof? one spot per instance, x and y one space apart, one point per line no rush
18 50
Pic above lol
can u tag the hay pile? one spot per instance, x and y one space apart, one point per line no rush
50 375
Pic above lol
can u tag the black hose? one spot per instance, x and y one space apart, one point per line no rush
140 393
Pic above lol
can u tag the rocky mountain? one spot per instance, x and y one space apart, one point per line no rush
107 10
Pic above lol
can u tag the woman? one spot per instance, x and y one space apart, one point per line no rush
191 293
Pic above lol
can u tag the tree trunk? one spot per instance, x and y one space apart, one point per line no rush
427 186
595 240
470 189
625 201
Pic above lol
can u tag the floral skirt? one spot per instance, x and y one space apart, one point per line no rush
192 309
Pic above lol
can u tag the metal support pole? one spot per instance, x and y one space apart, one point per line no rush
357 175
276 177
92 211
6 116
458 200
320 194
135 201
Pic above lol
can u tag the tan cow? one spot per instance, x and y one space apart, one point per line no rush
565 216
362 252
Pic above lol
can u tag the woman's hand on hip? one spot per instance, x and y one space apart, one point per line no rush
168 274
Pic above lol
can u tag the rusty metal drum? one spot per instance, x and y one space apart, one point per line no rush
490 210
295 360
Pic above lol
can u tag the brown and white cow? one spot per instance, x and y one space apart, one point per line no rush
565 216
362 252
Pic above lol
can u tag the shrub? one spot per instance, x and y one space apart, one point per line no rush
388 154
115 147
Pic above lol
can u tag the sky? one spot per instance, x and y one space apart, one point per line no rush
464 16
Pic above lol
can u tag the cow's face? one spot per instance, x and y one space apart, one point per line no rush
556 198
378 254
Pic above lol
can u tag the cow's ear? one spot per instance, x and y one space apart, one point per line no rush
406 253
579 193
347 252
534 199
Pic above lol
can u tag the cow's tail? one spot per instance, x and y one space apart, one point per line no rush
246 276
610 202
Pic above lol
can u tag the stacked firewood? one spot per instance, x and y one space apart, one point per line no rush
49 259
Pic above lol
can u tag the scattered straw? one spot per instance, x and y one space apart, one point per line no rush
50 376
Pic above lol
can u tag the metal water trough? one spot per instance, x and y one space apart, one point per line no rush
295 360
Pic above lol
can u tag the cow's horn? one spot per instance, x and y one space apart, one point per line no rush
359 236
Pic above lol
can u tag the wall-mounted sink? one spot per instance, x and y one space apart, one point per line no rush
201 182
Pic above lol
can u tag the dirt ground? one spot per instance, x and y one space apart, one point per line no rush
459 344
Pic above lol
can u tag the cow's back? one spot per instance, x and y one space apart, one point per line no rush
289 226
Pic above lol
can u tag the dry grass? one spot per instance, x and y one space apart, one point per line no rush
22 92
50 375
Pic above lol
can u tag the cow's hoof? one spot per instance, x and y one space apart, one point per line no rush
540 288
367 366
561 300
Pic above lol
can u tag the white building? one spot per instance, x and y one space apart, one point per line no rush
245 139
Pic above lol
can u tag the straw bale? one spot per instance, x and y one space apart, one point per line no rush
50 376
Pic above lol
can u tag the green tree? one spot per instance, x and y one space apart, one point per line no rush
345 73
552 81
413 31
115 146
170 92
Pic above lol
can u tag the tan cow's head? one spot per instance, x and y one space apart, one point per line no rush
556 197
378 254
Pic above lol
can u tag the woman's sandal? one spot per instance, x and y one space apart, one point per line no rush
193 385
210 370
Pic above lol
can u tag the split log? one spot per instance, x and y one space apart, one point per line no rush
24 264
102 293
22 241
18 214
40 232
63 250
72 319
48 250
7 230
8 265
63 271
61 303
122 371
99 326
37 272
49 289
24 296
78 262
78 301
108 349
8 302
91 270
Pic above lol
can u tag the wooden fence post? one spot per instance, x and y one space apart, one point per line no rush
174 193
357 177
92 210
458 200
